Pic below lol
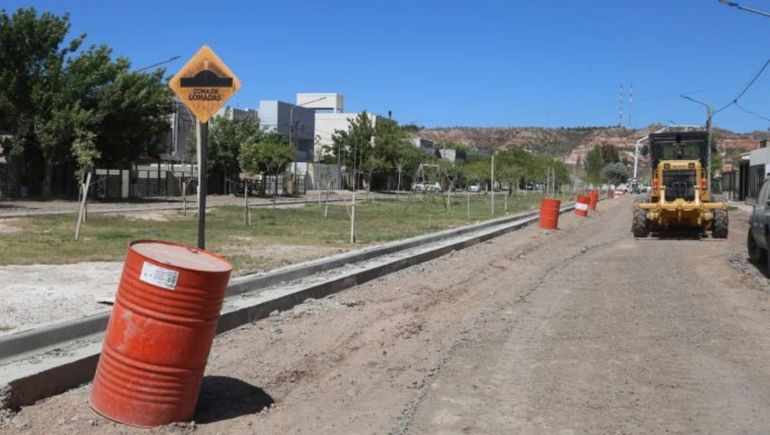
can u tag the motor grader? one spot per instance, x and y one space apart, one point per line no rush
680 199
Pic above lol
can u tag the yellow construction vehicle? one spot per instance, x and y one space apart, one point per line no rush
680 199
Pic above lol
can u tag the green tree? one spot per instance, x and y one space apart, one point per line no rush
353 146
267 154
614 173
598 158
478 170
514 165
226 138
392 145
60 104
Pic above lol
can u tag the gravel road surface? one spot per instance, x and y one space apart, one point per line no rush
582 330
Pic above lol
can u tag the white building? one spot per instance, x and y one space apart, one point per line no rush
424 145
329 117
322 101
235 113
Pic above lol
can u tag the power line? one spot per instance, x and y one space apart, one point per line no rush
745 88
751 112
158 64
603 105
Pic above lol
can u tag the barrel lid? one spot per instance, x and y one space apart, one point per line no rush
181 256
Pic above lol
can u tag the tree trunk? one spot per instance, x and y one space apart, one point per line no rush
48 178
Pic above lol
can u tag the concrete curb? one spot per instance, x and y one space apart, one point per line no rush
19 343
23 383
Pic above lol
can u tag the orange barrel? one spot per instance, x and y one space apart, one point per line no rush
549 213
593 198
581 206
160 333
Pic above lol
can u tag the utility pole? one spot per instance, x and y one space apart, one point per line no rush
709 116
492 184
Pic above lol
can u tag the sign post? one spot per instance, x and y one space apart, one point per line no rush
204 84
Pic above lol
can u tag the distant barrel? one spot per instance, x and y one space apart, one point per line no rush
549 213
593 199
581 206
160 333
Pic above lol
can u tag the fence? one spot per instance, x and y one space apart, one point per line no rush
167 180
141 182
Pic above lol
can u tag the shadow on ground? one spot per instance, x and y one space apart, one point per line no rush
676 235
223 398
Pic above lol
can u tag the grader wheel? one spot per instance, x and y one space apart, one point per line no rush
719 230
640 226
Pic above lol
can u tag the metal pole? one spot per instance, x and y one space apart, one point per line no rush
710 114
353 219
492 185
203 143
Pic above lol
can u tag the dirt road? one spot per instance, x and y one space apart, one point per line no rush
584 330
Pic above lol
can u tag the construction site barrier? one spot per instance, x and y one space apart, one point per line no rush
593 199
581 206
159 334
549 213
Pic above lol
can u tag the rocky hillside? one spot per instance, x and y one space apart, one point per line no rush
570 144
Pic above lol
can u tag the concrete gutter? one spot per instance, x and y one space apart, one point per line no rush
41 362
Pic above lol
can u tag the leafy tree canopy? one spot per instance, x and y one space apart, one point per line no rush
60 103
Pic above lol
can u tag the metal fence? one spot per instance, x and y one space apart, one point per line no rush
170 180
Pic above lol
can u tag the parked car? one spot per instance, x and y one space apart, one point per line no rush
759 226
427 186
474 187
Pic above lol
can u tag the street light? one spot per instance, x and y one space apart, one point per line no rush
709 115
737 6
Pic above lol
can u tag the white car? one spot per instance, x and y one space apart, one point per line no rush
474 187
428 186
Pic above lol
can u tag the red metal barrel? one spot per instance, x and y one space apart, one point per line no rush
593 199
581 206
160 333
549 213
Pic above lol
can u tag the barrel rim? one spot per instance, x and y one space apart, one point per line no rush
182 245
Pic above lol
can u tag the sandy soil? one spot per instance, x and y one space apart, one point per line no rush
583 330
8 226
41 294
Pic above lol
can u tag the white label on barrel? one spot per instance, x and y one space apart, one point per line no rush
581 206
158 276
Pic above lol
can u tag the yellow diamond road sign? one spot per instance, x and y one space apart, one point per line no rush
204 84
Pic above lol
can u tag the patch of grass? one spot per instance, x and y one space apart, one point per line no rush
48 239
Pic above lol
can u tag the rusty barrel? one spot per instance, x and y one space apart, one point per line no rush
581 206
593 199
549 213
159 334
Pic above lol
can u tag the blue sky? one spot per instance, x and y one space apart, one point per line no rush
444 63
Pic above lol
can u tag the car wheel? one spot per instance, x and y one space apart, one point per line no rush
756 253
